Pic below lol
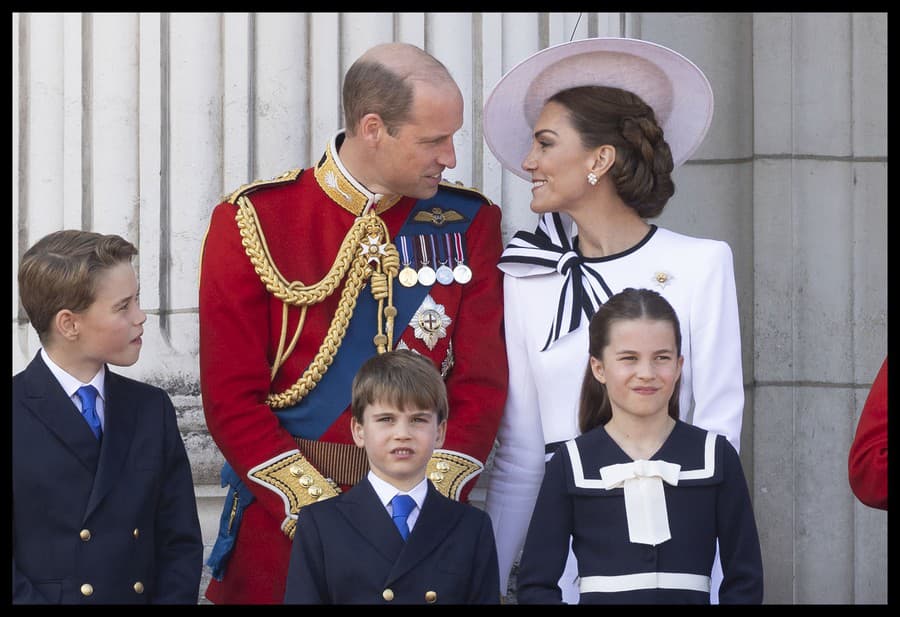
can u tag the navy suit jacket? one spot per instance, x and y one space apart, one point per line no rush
347 550
114 522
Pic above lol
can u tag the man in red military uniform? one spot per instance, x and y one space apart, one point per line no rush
305 276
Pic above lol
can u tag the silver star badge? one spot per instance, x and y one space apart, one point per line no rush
430 322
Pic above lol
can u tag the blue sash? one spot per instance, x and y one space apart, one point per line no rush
312 416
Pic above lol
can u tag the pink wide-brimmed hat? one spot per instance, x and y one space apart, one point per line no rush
672 85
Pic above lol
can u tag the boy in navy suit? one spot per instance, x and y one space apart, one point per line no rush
348 549
103 498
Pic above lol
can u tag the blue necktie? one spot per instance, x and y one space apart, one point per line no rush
402 506
88 396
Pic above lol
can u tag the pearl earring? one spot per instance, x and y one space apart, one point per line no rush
592 178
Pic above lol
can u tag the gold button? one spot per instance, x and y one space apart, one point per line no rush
306 481
136 533
84 534
387 594
430 597
295 470
87 589
443 466
315 491
139 587
436 476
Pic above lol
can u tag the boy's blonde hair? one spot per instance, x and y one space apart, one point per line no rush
60 271
400 378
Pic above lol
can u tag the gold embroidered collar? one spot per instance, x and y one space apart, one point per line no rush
343 188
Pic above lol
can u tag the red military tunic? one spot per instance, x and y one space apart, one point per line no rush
867 463
273 240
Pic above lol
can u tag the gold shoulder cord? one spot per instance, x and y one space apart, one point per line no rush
365 253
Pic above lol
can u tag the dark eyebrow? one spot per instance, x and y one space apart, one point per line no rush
538 133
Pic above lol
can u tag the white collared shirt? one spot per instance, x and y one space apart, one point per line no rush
70 385
386 492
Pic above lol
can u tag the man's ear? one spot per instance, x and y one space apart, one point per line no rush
441 434
67 324
371 128
358 432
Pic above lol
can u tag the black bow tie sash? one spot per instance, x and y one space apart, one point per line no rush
547 249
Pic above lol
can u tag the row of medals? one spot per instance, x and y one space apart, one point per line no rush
425 274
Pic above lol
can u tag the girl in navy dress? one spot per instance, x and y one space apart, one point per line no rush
643 495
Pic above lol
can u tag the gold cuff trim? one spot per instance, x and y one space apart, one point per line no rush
289 526
450 471
297 480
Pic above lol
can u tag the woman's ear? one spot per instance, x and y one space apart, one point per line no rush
597 370
604 158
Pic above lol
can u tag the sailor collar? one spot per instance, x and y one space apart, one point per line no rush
343 188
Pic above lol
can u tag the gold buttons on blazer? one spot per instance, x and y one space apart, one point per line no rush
139 587
388 594
87 590
431 597
85 534
136 533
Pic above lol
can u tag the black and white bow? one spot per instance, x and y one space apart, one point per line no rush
549 248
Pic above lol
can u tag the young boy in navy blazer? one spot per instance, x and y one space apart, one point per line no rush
103 498
348 550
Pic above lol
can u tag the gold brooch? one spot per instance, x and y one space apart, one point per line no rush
662 278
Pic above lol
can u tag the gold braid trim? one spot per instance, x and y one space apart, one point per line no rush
450 471
367 241
298 482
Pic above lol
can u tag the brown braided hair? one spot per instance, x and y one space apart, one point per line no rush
642 171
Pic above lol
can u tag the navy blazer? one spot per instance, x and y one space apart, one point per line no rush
93 523
347 550
710 503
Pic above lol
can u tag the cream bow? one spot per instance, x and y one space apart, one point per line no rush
645 499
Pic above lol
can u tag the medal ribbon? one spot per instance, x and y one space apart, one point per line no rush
460 251
424 249
404 250
449 250
434 251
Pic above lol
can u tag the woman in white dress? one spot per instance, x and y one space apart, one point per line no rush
597 126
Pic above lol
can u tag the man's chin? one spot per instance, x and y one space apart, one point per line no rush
426 192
